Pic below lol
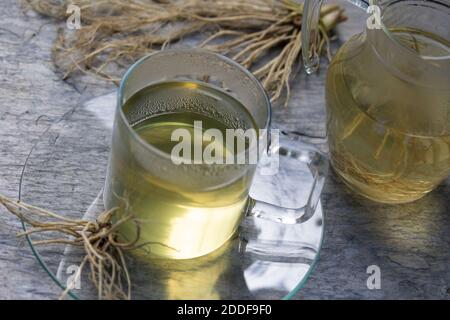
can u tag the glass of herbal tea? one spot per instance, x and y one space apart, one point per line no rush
185 199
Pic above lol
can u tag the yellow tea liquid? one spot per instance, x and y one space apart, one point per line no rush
389 137
197 211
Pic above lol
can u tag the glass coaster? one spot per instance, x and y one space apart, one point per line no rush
65 173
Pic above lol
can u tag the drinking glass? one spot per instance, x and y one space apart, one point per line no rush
192 209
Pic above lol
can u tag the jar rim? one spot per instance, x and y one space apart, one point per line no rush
385 6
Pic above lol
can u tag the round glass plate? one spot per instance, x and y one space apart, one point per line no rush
65 173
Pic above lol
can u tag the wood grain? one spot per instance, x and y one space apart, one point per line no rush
409 242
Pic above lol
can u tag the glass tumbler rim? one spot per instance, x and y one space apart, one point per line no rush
149 147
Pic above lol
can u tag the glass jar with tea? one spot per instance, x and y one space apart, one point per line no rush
388 99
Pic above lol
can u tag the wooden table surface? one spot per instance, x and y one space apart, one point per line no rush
410 243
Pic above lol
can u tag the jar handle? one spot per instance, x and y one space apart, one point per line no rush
310 34
310 30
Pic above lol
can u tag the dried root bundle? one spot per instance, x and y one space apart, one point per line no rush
104 253
262 35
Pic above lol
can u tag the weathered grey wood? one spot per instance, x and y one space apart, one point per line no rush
409 242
